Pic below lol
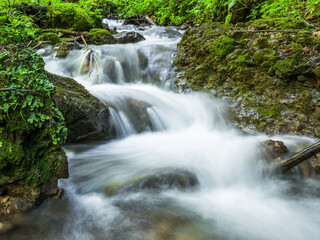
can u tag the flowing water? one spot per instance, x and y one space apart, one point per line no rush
157 128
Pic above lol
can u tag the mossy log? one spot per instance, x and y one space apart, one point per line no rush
30 9
301 156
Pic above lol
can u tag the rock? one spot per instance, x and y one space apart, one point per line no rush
158 181
128 37
64 49
99 36
86 117
273 150
31 156
270 78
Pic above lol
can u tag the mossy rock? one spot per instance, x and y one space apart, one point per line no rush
99 36
265 74
68 15
86 117
31 126
52 37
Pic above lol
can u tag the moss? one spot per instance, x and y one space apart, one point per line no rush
221 47
68 15
52 37
99 36
283 23
99 31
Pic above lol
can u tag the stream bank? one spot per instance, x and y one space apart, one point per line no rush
267 69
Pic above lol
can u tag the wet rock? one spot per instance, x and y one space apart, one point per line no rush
86 117
273 150
128 37
65 48
270 78
158 181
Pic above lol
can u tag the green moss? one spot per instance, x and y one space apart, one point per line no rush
283 23
68 15
221 47
52 37
271 111
99 36
100 31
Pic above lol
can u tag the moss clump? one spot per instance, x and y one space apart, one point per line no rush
68 15
99 36
52 37
221 47
31 126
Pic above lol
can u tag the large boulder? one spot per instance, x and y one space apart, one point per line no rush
31 133
158 181
128 37
86 117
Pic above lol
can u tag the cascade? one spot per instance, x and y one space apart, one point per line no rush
159 128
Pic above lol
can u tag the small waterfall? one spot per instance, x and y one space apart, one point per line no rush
123 126
119 72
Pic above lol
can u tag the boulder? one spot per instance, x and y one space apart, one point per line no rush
31 133
158 181
86 117
99 36
128 37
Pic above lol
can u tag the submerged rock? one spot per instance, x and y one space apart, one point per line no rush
128 37
86 117
158 181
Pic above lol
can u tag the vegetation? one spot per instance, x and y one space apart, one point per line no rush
27 110
177 12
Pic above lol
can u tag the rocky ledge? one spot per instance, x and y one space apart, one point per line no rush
269 71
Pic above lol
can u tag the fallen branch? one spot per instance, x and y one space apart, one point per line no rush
29 9
301 156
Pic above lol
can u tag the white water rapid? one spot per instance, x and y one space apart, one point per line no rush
237 198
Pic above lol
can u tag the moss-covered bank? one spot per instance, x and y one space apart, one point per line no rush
31 130
268 69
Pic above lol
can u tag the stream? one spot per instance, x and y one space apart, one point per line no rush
237 198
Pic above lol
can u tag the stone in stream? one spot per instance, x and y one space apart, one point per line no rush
274 150
158 181
65 48
86 117
128 37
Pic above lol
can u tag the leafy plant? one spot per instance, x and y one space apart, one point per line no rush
15 27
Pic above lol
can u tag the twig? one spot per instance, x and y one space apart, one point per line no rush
84 41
